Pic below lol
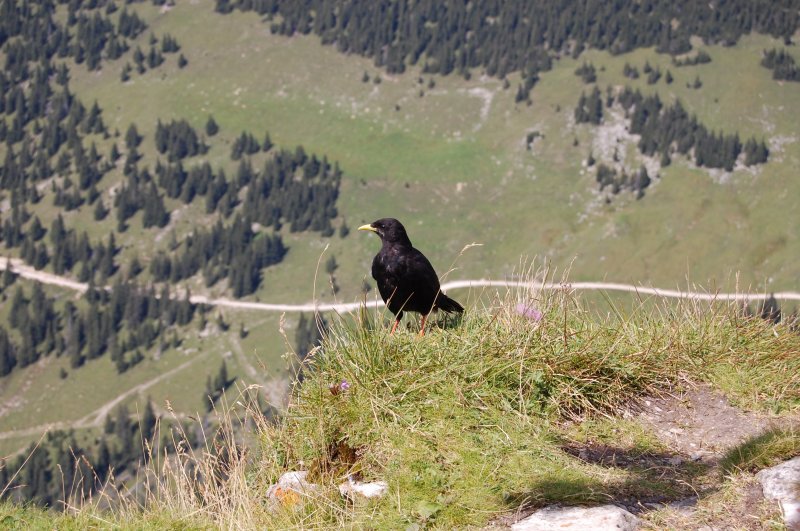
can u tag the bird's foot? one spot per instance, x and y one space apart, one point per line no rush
422 326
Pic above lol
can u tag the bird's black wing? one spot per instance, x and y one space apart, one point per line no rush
422 282
388 270
428 288
406 279
422 272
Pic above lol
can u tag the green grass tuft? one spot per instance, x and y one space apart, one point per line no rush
762 451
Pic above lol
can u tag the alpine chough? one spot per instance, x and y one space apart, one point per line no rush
406 279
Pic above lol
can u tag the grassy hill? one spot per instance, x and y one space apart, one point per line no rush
499 413
445 155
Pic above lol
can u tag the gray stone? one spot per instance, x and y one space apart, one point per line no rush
781 483
685 503
602 518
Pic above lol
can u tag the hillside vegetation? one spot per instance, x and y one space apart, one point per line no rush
476 420
227 149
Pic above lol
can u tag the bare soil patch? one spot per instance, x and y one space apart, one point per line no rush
683 487
700 423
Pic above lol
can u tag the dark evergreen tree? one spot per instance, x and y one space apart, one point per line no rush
100 211
782 64
221 381
8 358
130 25
309 334
587 72
178 139
664 130
701 57
331 265
138 59
154 57
246 144
155 213
148 422
211 126
169 44
755 152
590 109
132 138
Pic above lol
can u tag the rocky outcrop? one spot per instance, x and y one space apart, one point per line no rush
602 518
781 483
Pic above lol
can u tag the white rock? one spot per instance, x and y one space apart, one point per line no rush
291 487
782 484
791 514
602 518
373 489
296 480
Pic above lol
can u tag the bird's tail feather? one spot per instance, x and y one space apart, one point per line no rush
446 304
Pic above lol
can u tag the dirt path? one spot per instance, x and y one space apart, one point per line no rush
95 418
22 269
701 423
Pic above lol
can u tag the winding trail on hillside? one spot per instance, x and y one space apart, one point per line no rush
26 271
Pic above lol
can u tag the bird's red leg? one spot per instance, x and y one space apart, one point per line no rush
422 325
396 322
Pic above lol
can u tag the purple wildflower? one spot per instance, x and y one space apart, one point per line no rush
337 388
529 312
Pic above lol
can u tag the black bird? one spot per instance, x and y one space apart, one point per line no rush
406 279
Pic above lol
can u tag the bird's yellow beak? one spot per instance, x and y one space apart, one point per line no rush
368 227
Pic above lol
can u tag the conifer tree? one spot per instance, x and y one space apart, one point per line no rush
148 423
211 126
132 138
7 357
221 381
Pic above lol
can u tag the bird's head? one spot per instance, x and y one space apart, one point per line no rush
389 230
